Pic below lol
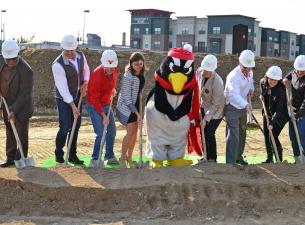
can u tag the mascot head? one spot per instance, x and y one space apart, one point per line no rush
178 68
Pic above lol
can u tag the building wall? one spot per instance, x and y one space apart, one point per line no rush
173 33
292 45
201 34
257 39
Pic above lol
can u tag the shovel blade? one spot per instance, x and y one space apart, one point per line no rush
96 163
29 161
20 164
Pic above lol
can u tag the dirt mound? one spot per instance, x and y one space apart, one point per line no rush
41 61
211 190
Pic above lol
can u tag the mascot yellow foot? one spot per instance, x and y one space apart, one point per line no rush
179 162
155 164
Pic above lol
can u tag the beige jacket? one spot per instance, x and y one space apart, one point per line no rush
212 95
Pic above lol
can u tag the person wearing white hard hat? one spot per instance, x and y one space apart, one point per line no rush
239 85
274 96
212 102
296 79
71 75
101 89
16 87
128 105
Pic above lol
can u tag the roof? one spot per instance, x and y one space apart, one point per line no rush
149 12
232 15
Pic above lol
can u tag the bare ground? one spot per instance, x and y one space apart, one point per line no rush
202 194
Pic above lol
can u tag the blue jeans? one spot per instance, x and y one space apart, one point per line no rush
65 119
98 126
301 129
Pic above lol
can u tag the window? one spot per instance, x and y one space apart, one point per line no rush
283 51
254 47
170 32
201 46
216 30
135 44
284 40
157 45
270 38
292 42
201 31
292 53
270 51
185 30
146 30
254 34
146 45
170 44
136 30
275 39
157 30
183 43
249 30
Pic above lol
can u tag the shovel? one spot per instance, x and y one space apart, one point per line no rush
294 125
23 162
72 132
270 131
140 164
99 161
204 148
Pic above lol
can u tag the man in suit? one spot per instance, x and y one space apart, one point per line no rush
16 87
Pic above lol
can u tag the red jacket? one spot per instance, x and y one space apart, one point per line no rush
100 88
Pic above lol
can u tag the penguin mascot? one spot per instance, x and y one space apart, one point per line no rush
172 110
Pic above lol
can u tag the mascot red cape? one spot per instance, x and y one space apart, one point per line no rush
172 111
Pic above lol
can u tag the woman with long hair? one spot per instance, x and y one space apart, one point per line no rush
128 105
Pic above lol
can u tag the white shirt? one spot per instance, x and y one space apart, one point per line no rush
237 88
60 78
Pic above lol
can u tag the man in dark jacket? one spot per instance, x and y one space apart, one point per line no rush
297 81
16 87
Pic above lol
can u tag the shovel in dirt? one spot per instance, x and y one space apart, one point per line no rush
270 131
99 162
72 132
140 164
289 105
23 162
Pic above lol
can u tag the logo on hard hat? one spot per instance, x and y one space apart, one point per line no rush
110 61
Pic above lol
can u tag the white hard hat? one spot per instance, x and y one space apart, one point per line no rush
69 42
246 58
109 59
299 63
188 47
274 72
10 49
209 63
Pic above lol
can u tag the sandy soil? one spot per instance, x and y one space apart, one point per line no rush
202 194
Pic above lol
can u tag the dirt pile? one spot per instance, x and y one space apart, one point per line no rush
41 61
218 191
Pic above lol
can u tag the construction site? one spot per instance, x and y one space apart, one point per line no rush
209 193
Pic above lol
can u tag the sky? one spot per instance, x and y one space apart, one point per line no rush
51 20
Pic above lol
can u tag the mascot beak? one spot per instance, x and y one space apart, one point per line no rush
177 80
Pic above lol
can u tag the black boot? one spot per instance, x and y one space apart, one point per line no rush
75 160
7 163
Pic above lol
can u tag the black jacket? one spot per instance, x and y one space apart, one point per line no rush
298 93
20 90
275 102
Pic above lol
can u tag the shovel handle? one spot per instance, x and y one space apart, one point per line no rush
140 130
73 130
270 131
104 135
14 130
